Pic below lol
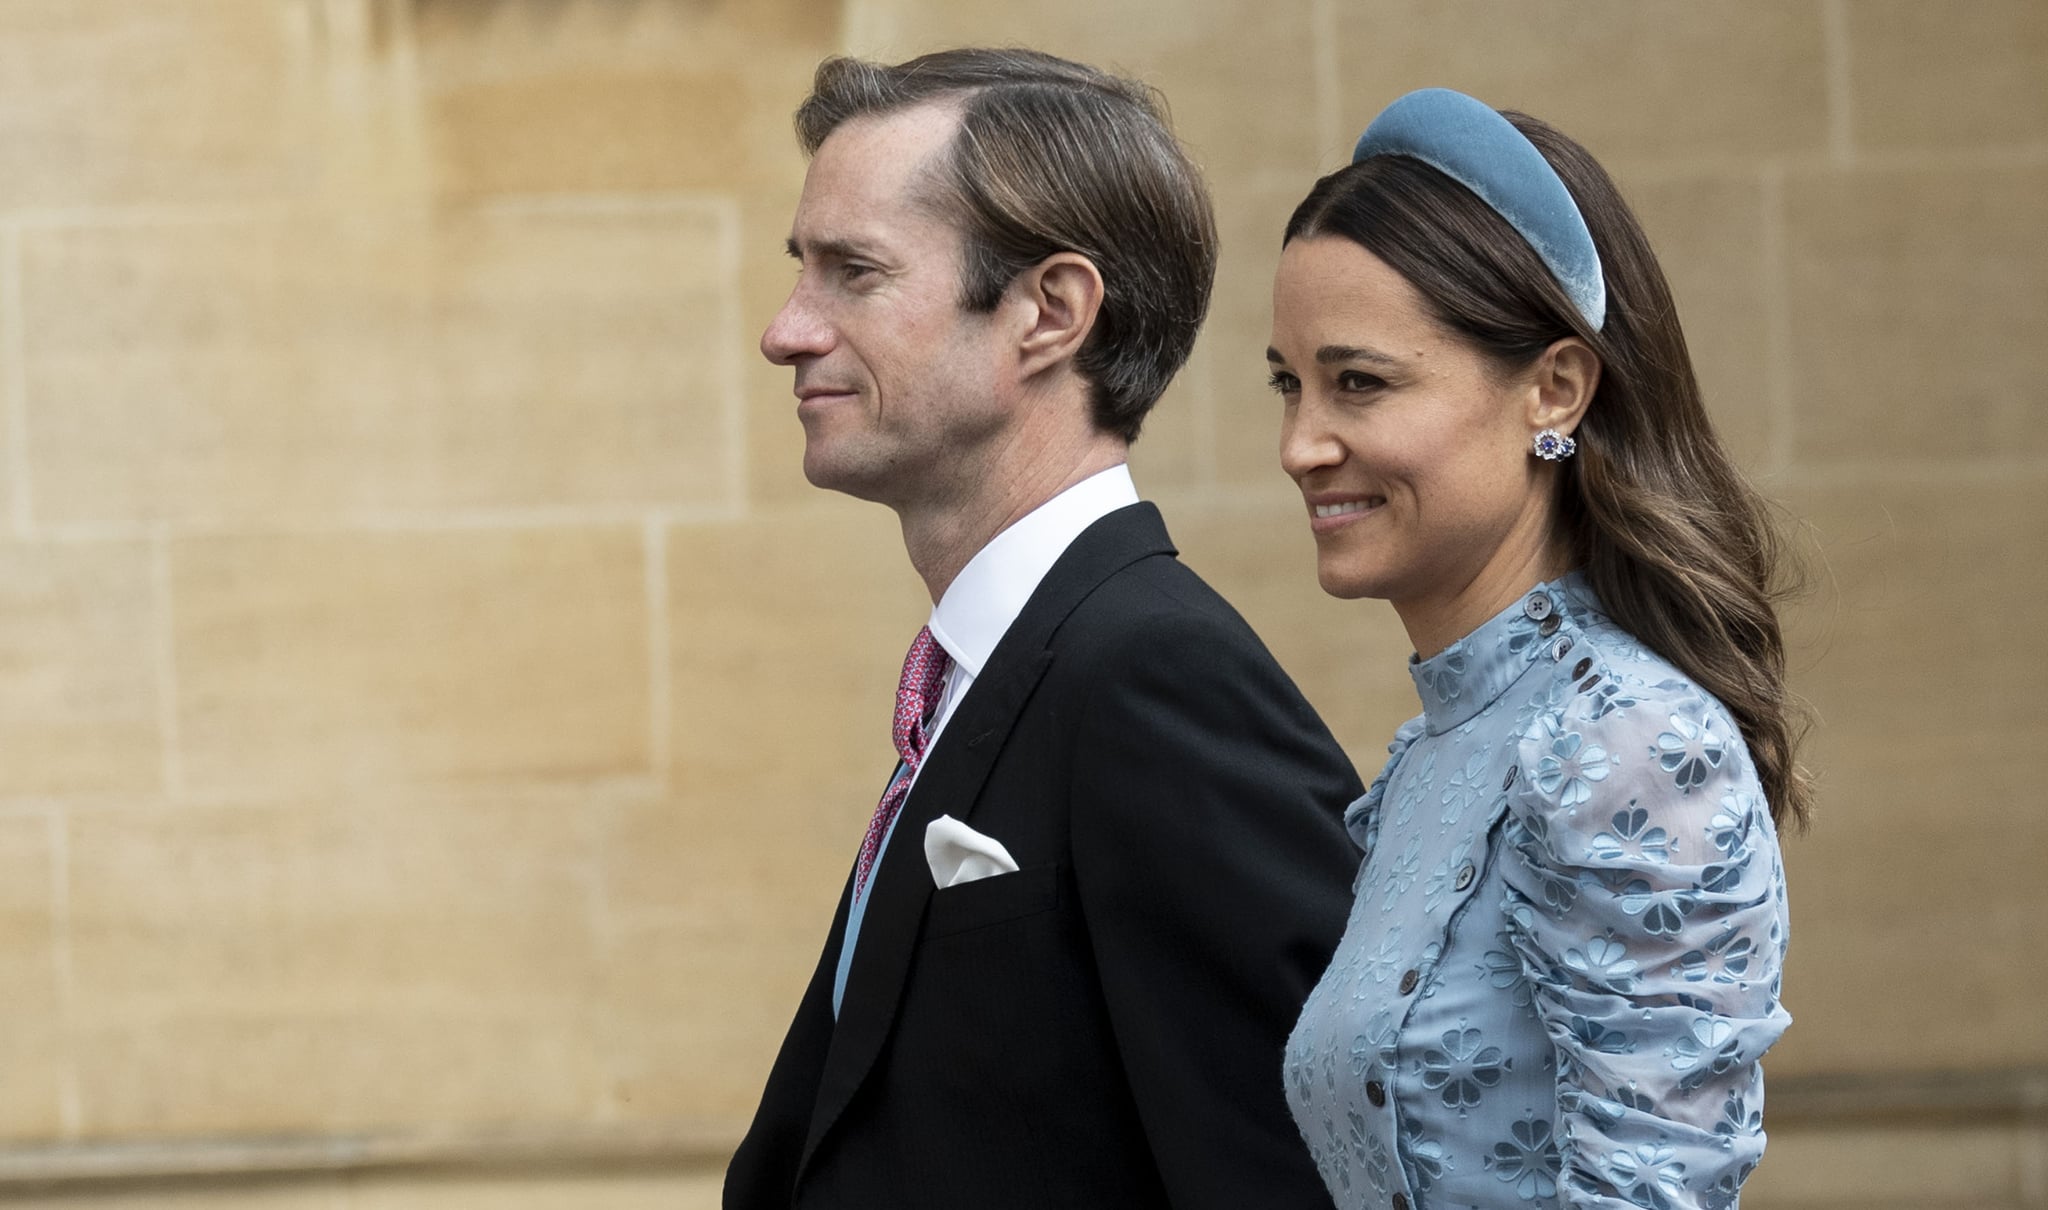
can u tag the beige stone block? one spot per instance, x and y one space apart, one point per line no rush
1920 588
1348 657
538 1191
1241 86
1939 77
1663 80
787 636
32 1041
717 926
1918 884
345 963
110 102
591 95
78 680
1919 311
441 656
1915 901
1882 1167
308 364
1708 233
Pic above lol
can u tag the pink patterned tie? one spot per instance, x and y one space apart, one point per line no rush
917 695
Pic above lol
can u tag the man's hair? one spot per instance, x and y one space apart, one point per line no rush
1054 156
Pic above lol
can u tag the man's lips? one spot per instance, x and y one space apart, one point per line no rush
810 399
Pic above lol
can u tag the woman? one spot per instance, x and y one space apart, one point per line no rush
1562 963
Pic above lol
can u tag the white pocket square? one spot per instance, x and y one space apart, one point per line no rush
958 853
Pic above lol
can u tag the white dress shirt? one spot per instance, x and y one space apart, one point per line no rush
978 609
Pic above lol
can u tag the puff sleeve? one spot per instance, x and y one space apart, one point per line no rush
1645 902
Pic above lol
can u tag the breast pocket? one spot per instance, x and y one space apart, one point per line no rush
993 900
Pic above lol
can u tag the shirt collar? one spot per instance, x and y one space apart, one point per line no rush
1469 675
991 590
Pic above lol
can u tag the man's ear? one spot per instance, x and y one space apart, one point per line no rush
1060 298
1561 385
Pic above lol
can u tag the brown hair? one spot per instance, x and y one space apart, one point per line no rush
1054 156
1678 547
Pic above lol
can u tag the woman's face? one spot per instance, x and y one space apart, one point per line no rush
1411 449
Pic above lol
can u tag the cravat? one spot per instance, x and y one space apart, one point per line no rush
917 695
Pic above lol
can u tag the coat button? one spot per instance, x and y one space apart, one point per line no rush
1538 607
1508 782
1400 1201
1582 668
1465 873
1409 980
1376 1092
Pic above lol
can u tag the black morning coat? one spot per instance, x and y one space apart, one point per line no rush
1103 1028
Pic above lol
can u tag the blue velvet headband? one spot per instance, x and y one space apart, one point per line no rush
1466 140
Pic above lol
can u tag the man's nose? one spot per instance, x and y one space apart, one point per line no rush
796 331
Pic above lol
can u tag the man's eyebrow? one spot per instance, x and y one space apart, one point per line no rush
837 249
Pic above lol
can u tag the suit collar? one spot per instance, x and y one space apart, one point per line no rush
951 782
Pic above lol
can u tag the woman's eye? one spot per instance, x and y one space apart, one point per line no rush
1284 384
1352 380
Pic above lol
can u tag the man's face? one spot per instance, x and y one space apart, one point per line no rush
897 385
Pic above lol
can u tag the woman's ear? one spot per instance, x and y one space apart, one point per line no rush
1061 296
1562 383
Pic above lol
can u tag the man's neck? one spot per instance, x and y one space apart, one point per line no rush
941 540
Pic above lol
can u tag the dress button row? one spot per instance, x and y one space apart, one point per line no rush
1538 607
1400 1201
1409 980
1550 624
1465 873
1561 648
1508 782
1376 1092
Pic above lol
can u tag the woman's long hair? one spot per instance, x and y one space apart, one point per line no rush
1678 547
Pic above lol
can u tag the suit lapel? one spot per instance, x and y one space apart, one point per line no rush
951 783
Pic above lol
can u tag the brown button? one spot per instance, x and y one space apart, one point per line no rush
1589 682
1549 625
1464 877
1400 1201
1376 1092
1582 668
1513 772
1409 980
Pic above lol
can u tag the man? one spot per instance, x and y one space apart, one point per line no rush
1110 865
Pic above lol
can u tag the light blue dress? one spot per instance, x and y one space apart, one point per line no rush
1562 963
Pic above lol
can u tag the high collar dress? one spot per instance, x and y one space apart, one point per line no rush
1562 963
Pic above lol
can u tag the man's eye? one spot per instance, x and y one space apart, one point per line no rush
853 271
